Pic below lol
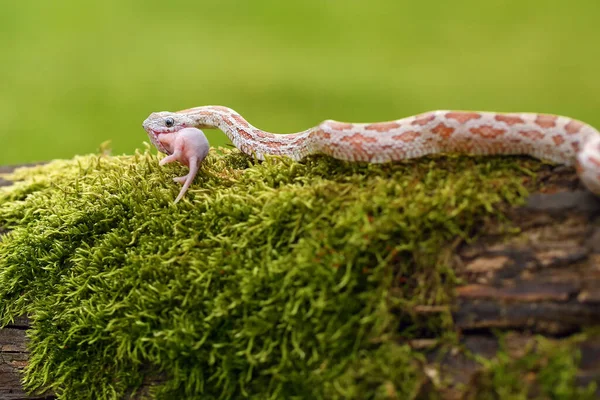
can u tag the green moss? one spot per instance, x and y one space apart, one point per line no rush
383 372
270 280
546 370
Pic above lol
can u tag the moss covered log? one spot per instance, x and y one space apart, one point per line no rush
278 279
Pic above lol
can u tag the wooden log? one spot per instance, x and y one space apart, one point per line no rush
13 358
544 280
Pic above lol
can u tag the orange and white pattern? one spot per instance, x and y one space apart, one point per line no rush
549 137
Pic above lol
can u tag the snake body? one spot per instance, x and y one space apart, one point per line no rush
550 137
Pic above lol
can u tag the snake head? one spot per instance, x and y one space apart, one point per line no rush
165 122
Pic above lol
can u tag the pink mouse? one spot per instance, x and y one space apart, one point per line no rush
189 146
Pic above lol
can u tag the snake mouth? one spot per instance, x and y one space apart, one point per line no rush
156 142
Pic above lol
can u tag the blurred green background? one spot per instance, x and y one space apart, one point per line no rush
74 74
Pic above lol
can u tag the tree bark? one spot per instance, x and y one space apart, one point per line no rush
544 280
13 358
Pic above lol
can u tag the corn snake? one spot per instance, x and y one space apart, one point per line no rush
550 137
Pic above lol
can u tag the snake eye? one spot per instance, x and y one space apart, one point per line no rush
169 122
